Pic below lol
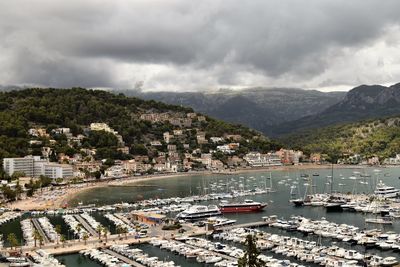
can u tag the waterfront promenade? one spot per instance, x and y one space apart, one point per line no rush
76 245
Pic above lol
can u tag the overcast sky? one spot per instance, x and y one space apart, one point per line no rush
200 45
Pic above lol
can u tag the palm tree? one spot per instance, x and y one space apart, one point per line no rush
105 231
125 232
119 230
36 236
63 240
78 230
40 241
85 237
58 231
99 229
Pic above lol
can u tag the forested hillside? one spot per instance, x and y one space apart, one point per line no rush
368 138
76 108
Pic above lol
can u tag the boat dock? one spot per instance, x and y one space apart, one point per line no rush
38 227
226 257
86 225
244 225
124 219
122 258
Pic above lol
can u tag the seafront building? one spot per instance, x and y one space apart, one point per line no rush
25 165
256 159
34 166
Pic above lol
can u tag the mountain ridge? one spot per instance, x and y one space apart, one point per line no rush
360 103
264 107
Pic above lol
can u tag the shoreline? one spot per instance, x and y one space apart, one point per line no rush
67 193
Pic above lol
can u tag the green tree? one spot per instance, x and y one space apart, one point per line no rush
85 237
96 174
8 193
12 239
124 231
250 257
36 236
41 240
99 229
138 149
105 233
119 230
78 230
63 240
58 231
18 190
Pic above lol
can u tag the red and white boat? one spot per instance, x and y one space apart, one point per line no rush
247 206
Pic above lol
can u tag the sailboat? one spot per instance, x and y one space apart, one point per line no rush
270 189
383 219
298 202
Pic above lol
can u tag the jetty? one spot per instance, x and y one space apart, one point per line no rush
245 225
86 225
38 227
224 256
122 258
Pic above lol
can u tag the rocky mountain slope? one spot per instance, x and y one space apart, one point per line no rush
258 108
362 102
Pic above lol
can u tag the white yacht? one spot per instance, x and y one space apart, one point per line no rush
385 191
197 212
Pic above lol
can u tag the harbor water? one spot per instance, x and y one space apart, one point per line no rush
282 182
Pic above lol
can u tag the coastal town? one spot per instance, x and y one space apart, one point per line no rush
182 150
205 133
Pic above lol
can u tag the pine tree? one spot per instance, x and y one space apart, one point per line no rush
250 257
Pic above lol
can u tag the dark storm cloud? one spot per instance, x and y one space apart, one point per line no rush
91 43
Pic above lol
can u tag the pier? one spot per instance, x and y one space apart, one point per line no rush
124 219
244 225
226 257
38 227
86 225
123 258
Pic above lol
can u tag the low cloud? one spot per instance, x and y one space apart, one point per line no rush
189 45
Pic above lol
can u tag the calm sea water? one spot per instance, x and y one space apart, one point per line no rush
278 202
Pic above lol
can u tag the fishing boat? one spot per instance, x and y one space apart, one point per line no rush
246 206
197 212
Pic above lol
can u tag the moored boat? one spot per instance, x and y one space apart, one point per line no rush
385 191
247 206
197 212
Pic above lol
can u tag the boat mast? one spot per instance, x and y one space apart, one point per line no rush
332 179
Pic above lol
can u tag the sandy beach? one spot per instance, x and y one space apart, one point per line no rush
58 197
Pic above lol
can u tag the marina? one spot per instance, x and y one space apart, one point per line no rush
320 226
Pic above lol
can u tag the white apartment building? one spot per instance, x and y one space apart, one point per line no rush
55 171
36 166
25 165
257 159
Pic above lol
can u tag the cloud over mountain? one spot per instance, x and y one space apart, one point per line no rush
194 45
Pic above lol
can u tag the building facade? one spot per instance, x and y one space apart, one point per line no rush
36 166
